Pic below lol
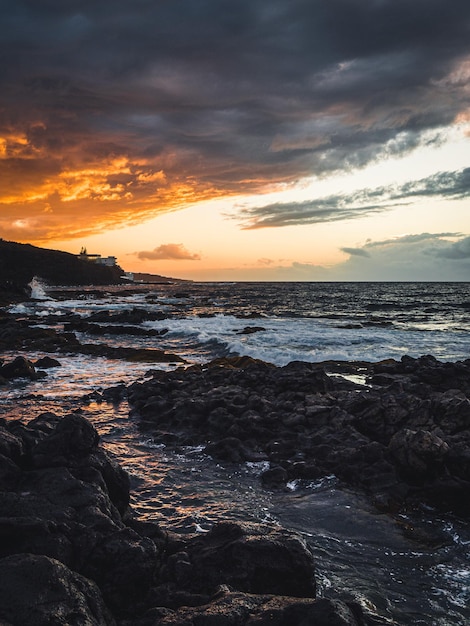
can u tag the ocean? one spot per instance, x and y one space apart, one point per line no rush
358 550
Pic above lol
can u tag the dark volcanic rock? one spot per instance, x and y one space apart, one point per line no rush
404 439
418 454
72 553
36 590
73 438
276 476
46 362
240 609
20 367
144 355
99 329
246 557
19 334
133 316
67 502
123 564
249 330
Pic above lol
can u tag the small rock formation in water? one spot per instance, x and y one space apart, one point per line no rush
21 334
19 367
72 552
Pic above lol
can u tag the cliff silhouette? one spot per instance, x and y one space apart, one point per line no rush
20 262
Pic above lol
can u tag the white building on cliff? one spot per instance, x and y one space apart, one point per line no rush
109 261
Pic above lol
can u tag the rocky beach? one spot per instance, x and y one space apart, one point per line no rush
74 550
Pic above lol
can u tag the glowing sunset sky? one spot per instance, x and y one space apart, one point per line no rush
241 139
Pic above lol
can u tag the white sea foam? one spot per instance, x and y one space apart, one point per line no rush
313 340
457 589
38 289
79 375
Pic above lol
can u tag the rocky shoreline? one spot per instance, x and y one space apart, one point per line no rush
403 437
72 550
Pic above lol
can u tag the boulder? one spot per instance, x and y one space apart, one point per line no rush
47 362
123 564
419 455
11 446
275 477
249 330
37 591
253 558
241 609
20 367
10 473
73 438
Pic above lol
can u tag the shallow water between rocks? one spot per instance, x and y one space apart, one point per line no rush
360 553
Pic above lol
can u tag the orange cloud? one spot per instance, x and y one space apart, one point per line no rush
62 184
169 251
47 197
463 119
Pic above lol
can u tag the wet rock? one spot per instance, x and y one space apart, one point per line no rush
451 412
11 446
123 564
99 468
143 355
229 449
116 329
249 330
275 477
34 535
34 431
238 362
9 473
251 558
47 362
254 315
419 455
73 438
133 316
20 335
458 461
71 550
409 429
66 500
20 367
303 470
115 394
239 609
36 590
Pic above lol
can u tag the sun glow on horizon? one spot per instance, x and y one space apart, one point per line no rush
211 230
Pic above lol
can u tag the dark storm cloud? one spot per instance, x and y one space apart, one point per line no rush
458 250
349 206
330 209
406 240
224 96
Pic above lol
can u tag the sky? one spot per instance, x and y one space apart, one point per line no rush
242 139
